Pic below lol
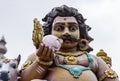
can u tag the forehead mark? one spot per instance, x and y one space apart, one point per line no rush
65 19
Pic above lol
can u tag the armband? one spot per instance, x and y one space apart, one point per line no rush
43 62
26 64
109 73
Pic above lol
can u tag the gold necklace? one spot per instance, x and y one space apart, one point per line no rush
70 54
70 58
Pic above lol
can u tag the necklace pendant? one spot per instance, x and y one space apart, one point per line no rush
70 60
76 71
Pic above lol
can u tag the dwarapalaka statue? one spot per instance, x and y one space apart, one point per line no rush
62 50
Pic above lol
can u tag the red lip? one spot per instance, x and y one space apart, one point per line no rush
67 41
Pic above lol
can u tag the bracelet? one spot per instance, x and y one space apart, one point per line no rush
109 73
43 62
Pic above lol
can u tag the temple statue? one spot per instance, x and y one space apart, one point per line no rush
3 48
63 51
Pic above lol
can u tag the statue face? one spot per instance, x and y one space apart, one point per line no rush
66 26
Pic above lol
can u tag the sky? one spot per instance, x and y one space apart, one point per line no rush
16 24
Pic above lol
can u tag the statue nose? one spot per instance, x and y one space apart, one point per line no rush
66 31
4 71
4 75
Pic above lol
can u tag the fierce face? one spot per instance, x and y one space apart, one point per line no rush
66 28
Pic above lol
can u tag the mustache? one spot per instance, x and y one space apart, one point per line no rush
69 37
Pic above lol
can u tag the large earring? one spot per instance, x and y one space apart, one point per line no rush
83 44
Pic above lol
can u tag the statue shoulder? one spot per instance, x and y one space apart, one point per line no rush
104 56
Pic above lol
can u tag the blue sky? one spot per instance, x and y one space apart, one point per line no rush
16 24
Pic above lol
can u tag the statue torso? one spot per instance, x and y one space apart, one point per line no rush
56 73
60 74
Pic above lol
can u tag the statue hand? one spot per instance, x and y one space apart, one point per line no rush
45 53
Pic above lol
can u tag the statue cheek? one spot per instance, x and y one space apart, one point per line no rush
76 34
57 34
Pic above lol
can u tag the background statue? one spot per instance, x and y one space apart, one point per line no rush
3 48
9 69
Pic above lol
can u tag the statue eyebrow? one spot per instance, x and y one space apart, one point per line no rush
62 23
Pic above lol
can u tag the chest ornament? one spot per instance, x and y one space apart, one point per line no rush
70 58
75 71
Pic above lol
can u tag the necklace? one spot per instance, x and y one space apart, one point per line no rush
75 71
70 53
70 58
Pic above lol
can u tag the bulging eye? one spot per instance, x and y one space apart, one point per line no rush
73 28
13 65
59 28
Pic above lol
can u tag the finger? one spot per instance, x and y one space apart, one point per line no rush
52 54
40 50
49 53
44 52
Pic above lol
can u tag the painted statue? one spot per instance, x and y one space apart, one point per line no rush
62 50
9 69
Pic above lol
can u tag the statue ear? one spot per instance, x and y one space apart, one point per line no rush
18 59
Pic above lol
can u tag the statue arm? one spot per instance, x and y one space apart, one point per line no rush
32 69
104 72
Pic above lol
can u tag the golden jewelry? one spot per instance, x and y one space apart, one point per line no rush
43 62
70 60
83 44
109 73
70 54
6 60
103 55
26 64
